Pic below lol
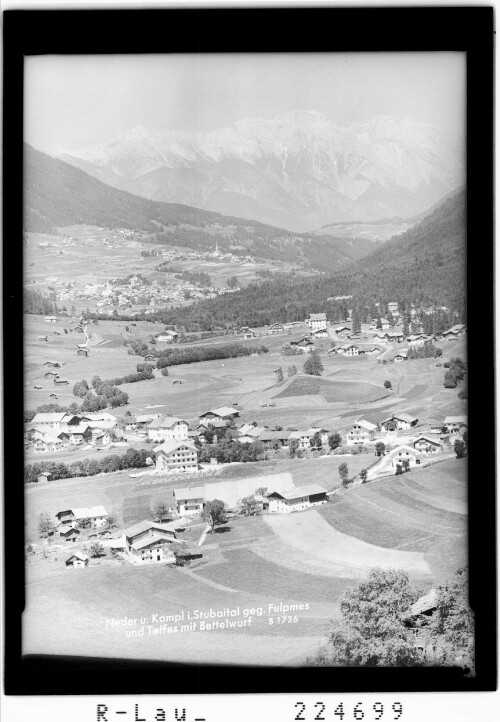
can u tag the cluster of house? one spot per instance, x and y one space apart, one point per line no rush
49 432
192 500
441 434
146 541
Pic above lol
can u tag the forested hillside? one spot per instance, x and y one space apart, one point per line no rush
425 265
58 194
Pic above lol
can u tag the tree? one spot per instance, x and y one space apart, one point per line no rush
279 375
214 513
45 525
380 448
111 522
387 385
96 549
406 465
316 442
356 321
334 440
313 365
363 475
161 512
261 491
232 282
372 632
292 370
452 624
459 448
344 474
182 554
399 469
293 447
250 506
81 388
391 425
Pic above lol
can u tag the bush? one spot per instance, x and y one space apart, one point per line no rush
164 372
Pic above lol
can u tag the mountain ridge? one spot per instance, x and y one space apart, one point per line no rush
58 194
299 170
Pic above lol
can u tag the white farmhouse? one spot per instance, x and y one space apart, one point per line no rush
296 499
168 428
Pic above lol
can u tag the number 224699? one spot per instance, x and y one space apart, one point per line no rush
361 711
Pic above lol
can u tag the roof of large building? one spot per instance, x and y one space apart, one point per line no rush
191 492
431 440
401 417
317 317
298 491
153 538
85 512
145 525
172 444
399 448
79 555
222 411
455 420
166 422
366 424
48 418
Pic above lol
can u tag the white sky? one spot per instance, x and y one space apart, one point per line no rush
75 101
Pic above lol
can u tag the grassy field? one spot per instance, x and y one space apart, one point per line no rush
127 499
333 391
417 522
343 392
424 510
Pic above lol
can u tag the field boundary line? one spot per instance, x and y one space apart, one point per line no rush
209 582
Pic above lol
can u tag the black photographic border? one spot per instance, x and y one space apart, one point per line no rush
468 29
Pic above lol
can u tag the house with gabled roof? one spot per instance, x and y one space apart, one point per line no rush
190 500
276 328
77 559
96 515
401 356
348 349
223 412
417 339
68 533
454 424
401 454
459 329
151 542
167 428
50 441
401 420
427 445
342 329
297 498
362 432
49 421
303 344
316 322
176 455
271 437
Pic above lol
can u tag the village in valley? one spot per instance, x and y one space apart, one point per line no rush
249 438
245 361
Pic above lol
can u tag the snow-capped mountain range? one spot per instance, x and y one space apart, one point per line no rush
299 170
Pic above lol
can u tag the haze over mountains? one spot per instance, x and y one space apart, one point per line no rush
299 171
58 194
